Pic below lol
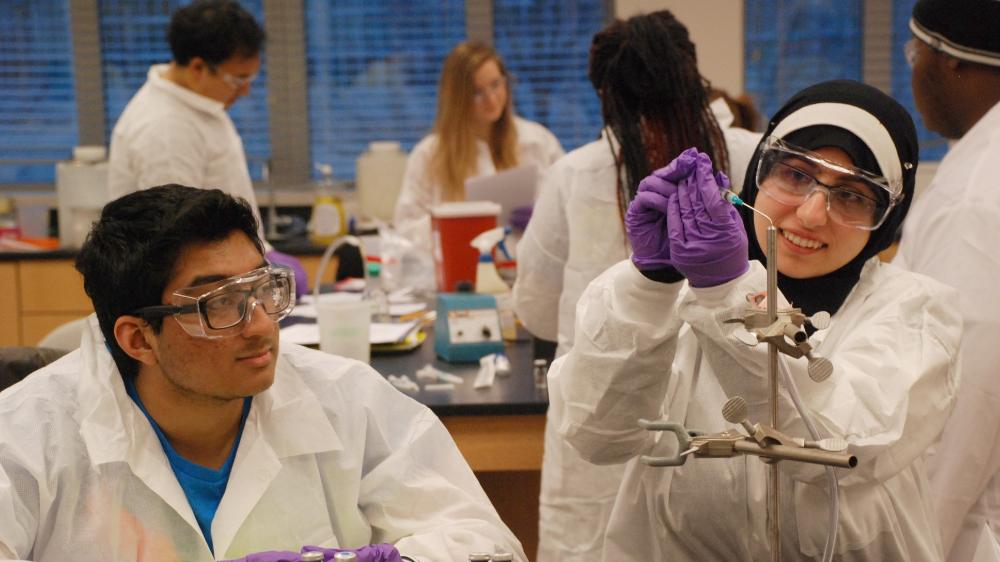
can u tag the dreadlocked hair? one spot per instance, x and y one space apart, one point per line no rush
653 99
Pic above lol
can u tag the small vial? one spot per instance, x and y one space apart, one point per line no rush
480 557
314 556
539 372
345 556
503 557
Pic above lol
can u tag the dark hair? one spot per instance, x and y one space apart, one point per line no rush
745 114
130 253
214 30
653 99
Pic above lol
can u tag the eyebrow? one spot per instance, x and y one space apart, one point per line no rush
205 279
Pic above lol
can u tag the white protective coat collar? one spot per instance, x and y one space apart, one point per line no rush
195 100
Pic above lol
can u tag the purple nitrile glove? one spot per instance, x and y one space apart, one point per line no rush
269 556
646 223
708 242
301 279
370 553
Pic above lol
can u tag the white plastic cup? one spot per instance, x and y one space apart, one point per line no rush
344 328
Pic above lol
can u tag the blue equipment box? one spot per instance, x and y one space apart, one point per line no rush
467 327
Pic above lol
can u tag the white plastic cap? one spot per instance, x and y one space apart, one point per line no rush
89 154
385 146
460 209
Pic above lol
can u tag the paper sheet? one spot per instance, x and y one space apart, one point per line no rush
306 307
381 332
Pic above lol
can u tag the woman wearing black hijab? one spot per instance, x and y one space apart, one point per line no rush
835 174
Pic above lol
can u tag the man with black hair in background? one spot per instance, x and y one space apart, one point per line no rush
952 235
182 431
176 129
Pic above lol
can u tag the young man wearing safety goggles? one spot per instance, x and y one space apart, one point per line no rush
182 430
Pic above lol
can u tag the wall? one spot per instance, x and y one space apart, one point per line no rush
716 27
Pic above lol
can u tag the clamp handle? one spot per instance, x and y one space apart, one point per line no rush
683 442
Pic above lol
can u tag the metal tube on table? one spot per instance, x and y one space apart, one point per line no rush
773 498
801 454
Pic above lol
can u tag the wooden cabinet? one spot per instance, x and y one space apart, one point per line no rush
36 296
10 325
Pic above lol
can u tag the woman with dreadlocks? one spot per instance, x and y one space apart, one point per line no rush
655 104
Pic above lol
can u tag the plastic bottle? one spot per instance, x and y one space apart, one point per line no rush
488 281
376 294
327 221
540 369
8 219
379 174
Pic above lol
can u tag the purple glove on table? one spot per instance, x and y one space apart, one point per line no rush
708 242
301 279
370 553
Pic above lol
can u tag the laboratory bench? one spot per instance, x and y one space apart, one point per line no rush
499 431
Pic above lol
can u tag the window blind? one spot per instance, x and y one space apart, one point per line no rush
372 71
134 37
38 124
791 44
546 44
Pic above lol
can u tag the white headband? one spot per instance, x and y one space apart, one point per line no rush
862 124
941 43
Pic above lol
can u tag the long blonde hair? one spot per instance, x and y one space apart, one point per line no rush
454 158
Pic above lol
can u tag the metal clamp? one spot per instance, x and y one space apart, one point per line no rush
683 442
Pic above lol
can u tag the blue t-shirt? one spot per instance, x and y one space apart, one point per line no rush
202 486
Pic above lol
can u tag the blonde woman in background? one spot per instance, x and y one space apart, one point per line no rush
476 133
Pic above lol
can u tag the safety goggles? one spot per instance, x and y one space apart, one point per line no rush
222 308
235 82
859 199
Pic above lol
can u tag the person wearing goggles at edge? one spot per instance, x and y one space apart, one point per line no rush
835 172
182 430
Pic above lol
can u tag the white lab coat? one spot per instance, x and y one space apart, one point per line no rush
952 234
169 134
576 233
893 345
330 455
535 145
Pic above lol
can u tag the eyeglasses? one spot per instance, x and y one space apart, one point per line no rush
860 199
221 308
236 82
911 50
492 89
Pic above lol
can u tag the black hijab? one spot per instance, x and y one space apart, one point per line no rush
828 292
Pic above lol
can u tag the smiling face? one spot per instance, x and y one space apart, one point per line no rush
809 243
224 369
